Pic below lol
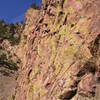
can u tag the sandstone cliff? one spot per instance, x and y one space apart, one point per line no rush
62 57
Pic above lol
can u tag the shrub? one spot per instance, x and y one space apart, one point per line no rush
9 32
34 6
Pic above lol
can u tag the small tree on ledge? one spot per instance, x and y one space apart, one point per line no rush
34 6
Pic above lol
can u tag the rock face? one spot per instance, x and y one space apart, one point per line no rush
62 60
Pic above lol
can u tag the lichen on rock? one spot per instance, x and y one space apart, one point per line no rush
62 55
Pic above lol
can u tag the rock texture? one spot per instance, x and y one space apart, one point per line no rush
62 60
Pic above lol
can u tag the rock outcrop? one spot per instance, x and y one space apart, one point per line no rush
62 57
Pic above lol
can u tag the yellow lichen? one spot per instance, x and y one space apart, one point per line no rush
54 50
28 94
39 50
71 10
29 97
36 69
56 25
34 72
35 88
65 1
11 97
58 68
64 33
65 4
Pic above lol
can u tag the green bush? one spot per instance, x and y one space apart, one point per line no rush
3 57
8 31
34 6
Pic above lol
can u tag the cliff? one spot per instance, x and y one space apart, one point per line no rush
62 55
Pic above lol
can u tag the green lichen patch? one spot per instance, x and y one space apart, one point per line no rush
54 50
58 69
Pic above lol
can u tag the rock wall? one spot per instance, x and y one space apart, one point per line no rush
62 60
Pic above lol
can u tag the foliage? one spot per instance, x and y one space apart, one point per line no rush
7 62
11 32
34 6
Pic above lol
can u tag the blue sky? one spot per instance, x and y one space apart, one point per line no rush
14 10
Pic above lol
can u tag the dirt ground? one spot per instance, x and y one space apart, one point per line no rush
7 83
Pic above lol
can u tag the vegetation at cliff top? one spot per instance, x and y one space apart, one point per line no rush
34 6
11 32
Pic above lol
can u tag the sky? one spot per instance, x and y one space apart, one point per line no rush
14 10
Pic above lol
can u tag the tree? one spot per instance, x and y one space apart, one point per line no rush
34 6
2 23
